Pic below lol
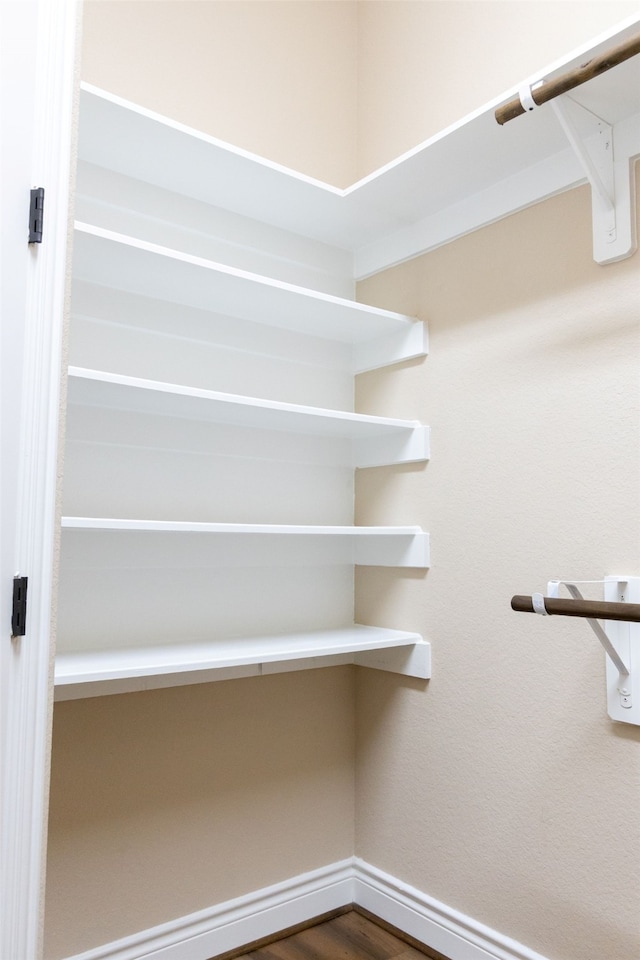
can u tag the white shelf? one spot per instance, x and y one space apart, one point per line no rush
468 175
112 259
239 385
96 672
372 546
270 529
376 440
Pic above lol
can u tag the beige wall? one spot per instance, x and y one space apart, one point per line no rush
277 77
496 788
332 88
424 65
170 801
500 787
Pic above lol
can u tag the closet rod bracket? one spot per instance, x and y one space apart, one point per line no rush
601 635
605 159
623 692
620 635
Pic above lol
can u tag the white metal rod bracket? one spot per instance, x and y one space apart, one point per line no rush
609 648
623 692
595 153
609 172
621 642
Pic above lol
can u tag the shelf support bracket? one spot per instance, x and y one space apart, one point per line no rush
609 173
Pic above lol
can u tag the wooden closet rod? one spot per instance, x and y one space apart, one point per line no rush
590 609
573 78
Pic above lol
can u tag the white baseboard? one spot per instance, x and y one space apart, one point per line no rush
433 923
230 925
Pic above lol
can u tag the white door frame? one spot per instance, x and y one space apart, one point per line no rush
37 66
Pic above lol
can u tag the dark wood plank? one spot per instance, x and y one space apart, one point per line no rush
349 937
352 934
422 948
241 953
573 78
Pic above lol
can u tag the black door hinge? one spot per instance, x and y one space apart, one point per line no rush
36 213
19 611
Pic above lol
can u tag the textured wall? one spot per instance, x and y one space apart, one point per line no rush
277 78
169 801
501 787
424 65
498 787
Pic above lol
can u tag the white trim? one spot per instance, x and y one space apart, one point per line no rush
47 125
231 925
237 922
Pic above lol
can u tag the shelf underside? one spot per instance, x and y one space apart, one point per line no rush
376 440
364 546
92 673
114 260
475 157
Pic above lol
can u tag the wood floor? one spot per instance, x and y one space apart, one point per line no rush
349 936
